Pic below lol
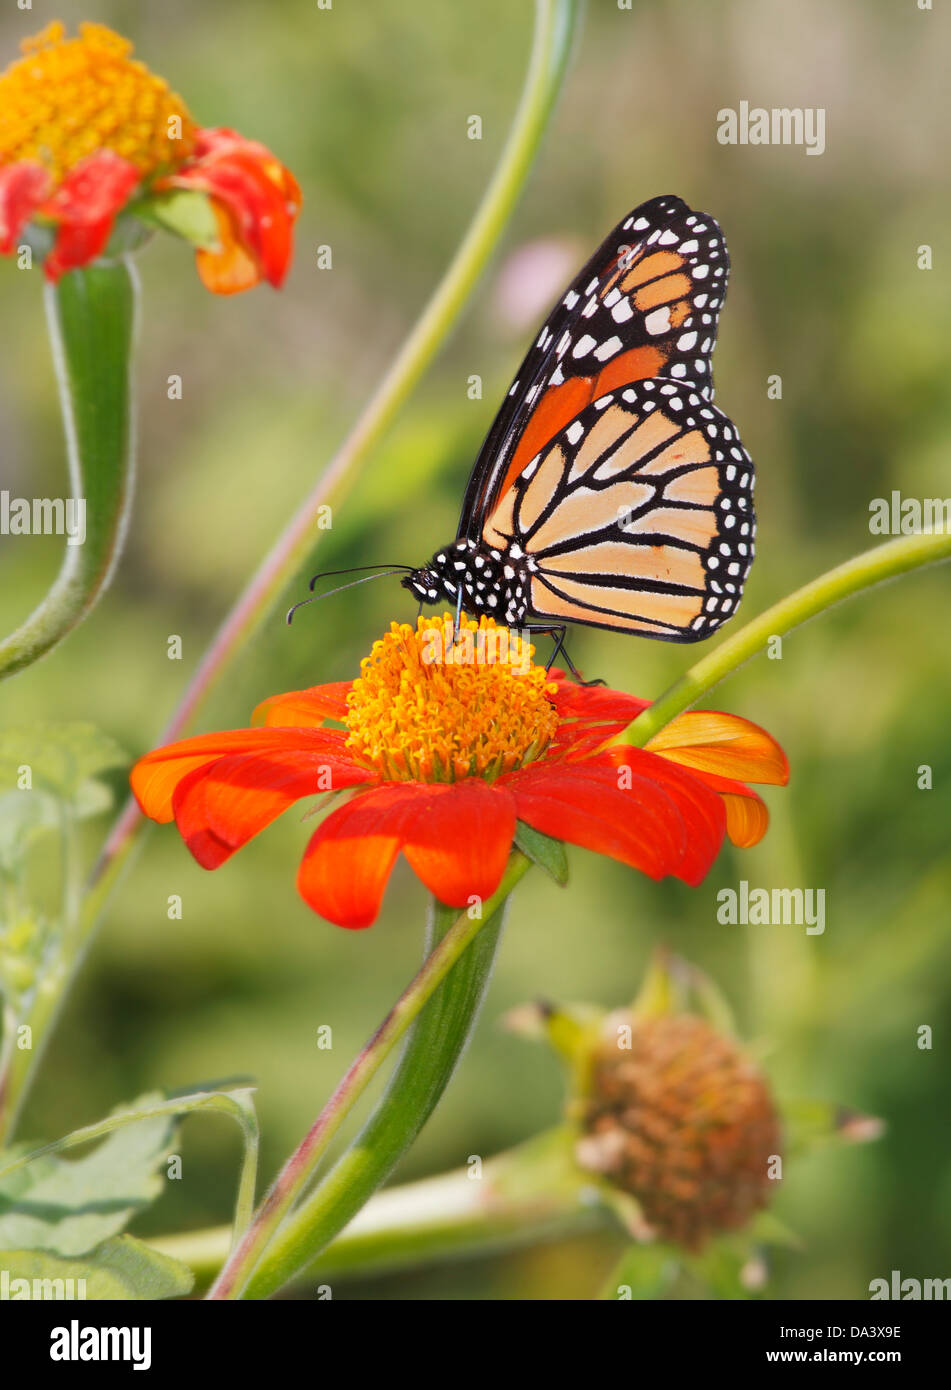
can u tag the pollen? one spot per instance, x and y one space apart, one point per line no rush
68 98
439 703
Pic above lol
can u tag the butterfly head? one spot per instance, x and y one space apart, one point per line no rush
489 581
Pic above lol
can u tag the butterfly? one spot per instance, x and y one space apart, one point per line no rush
610 490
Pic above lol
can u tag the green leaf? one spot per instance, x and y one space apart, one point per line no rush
25 816
237 1102
662 990
643 1271
547 853
186 212
120 1268
70 1207
62 758
767 1229
721 1268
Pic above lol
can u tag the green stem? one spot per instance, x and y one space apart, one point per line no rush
861 572
267 1257
518 1200
551 45
91 318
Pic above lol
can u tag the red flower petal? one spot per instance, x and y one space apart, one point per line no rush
574 701
85 206
220 806
590 717
258 201
747 819
220 140
347 864
582 803
302 708
456 837
156 776
23 186
723 744
664 822
459 843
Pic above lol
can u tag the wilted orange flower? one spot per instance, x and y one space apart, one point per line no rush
87 132
449 741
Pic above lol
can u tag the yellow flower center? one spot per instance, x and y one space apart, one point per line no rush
68 98
434 706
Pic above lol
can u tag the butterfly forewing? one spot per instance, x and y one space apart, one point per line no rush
637 515
645 305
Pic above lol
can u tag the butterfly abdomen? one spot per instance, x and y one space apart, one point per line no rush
490 581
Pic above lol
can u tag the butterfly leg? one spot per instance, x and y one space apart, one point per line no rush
559 634
455 626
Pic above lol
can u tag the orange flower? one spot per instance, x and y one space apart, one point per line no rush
449 743
87 132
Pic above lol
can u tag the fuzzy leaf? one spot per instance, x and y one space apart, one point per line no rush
19 1172
69 1207
119 1268
61 757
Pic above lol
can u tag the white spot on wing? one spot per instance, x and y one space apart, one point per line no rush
658 321
608 349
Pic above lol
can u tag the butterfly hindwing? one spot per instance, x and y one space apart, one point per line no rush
645 305
637 515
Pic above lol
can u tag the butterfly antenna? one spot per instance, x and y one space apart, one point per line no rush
356 569
400 569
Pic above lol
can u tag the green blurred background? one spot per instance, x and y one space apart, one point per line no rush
368 105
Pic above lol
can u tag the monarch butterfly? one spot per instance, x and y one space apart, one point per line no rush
610 490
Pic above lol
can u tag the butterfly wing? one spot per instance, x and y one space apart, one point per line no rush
637 515
645 305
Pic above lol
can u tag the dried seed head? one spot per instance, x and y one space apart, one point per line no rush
681 1119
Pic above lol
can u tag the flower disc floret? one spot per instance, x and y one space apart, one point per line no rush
438 704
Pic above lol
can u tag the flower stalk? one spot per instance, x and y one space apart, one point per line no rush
91 315
854 576
444 997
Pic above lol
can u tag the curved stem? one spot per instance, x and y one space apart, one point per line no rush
91 317
524 1196
551 46
417 1085
862 572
